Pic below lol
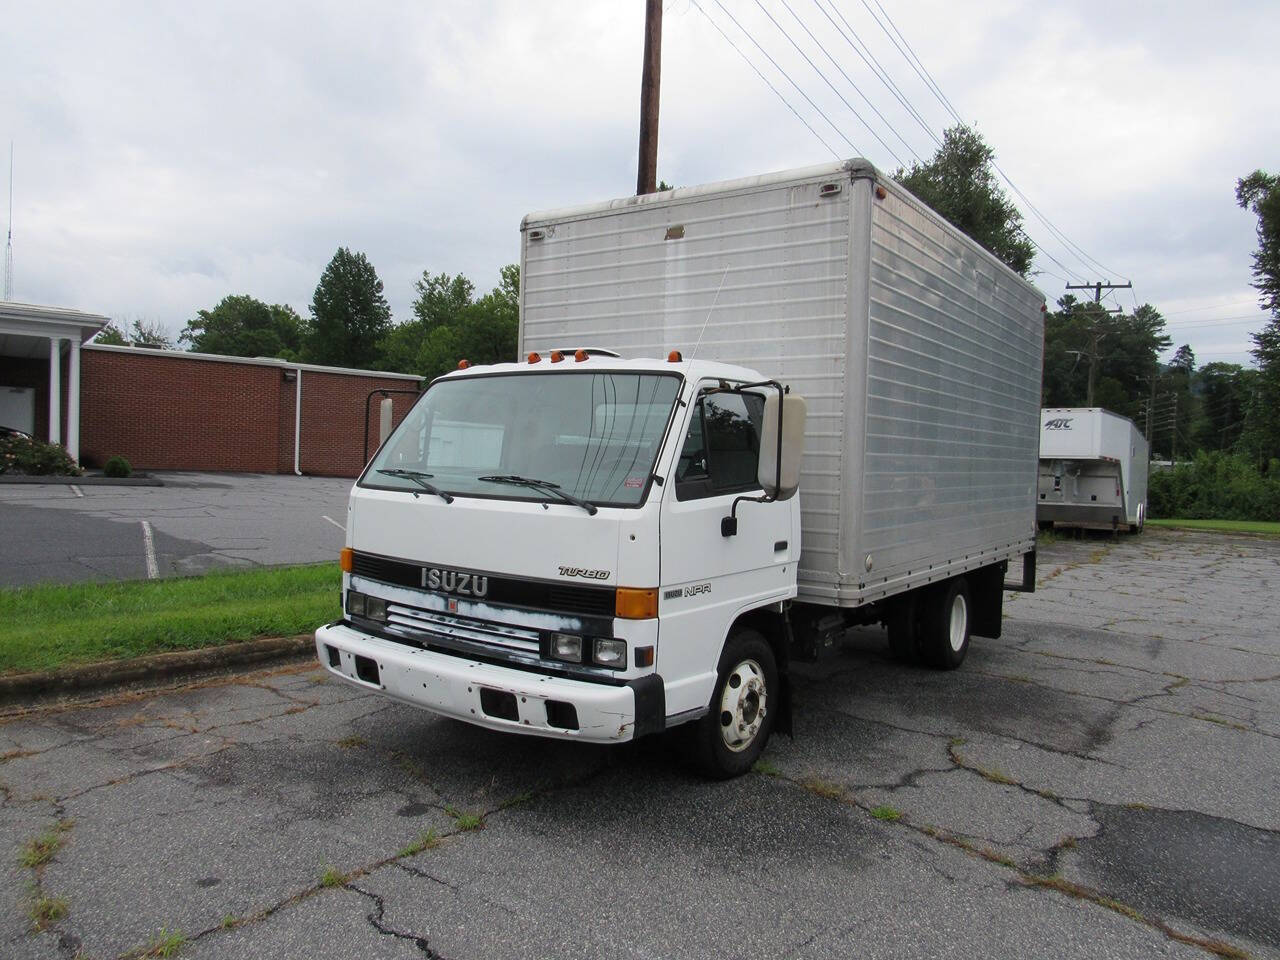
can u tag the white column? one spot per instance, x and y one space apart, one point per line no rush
73 401
55 389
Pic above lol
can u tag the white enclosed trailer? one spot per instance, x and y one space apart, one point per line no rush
1093 470
601 540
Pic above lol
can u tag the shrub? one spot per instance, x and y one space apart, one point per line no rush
117 466
20 454
1215 486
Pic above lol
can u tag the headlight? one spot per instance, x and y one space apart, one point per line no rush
355 603
375 608
611 653
566 646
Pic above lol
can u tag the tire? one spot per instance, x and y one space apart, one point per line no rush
944 624
747 694
903 629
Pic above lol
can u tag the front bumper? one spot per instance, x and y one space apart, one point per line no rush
453 686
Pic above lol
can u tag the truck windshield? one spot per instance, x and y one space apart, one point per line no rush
591 435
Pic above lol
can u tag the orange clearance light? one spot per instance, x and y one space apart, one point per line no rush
579 356
534 358
344 559
463 364
675 356
636 604
881 193
556 356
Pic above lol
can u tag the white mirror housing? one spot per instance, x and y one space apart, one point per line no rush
788 411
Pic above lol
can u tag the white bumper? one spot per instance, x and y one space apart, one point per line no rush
451 686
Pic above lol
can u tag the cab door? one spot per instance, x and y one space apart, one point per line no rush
709 579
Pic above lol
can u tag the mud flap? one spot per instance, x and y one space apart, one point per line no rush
651 705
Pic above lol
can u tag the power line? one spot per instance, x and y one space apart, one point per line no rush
876 67
807 98
917 64
834 63
776 93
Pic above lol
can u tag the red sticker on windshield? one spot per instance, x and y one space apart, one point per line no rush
633 483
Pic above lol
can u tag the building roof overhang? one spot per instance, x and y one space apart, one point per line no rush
26 328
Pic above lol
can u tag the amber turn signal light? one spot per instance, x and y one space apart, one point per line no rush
636 604
345 558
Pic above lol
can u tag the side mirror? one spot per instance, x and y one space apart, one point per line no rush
785 411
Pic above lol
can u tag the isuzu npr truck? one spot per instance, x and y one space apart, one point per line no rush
745 417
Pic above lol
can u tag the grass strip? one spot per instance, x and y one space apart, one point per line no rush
1263 527
54 625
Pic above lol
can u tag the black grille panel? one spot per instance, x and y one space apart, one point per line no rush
536 594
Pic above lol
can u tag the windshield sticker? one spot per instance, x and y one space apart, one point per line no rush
633 483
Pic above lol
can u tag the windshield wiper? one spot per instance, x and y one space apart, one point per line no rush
547 485
420 478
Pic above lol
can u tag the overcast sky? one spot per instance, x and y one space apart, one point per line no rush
167 155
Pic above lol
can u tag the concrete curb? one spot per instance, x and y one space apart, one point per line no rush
84 678
93 480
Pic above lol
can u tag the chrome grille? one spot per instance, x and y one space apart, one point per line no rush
416 620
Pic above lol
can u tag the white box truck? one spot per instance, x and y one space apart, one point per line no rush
589 544
1093 470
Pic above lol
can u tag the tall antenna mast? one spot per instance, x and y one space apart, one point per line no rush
8 247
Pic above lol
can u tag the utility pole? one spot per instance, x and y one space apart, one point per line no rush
1097 287
650 81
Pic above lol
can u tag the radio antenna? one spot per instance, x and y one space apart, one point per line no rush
708 316
8 247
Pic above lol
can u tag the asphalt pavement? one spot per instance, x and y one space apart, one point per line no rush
1099 782
196 522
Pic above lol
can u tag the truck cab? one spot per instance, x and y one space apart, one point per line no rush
583 547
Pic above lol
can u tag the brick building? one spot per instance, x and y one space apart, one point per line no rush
172 410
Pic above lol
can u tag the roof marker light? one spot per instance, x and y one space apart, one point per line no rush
534 358
463 363
580 355
675 356
556 356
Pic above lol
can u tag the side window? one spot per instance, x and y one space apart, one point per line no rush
721 452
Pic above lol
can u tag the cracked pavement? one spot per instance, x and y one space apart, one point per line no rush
1099 782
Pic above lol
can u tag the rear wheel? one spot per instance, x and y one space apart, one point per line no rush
729 739
945 621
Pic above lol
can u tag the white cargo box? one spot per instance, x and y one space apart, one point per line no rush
918 352
1093 469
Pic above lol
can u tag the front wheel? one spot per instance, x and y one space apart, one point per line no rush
730 738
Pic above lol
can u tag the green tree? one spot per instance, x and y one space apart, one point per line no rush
243 326
959 184
1223 391
1260 193
139 333
449 325
349 315
1122 348
111 335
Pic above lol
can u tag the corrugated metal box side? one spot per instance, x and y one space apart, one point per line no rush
954 351
752 272
822 293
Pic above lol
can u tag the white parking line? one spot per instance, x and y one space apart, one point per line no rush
334 522
76 490
149 545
